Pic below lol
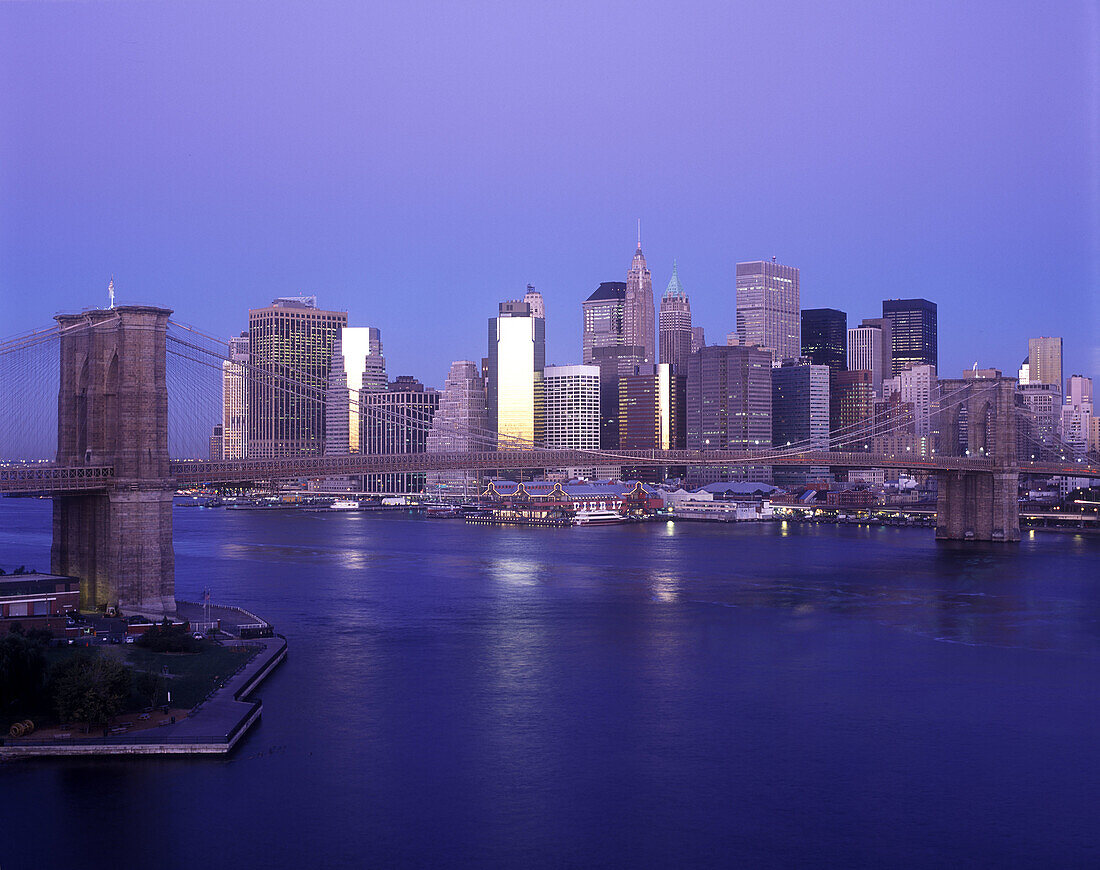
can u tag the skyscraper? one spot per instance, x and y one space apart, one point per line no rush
1042 404
918 387
768 308
638 320
865 354
887 342
291 343
397 421
800 405
1077 412
533 298
603 319
604 345
852 409
461 425
348 377
914 340
1044 361
571 412
675 323
235 379
698 338
652 409
517 356
824 337
800 414
652 405
729 407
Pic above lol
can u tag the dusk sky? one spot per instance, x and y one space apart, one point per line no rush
417 163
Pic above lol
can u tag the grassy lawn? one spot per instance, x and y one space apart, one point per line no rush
191 677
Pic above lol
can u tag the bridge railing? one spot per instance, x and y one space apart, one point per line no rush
54 478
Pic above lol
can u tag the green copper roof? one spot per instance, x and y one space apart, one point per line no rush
675 289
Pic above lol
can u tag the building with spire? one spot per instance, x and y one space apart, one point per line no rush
638 314
675 324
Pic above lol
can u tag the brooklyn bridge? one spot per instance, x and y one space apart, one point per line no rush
125 378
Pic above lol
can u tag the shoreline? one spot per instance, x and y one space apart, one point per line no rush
212 727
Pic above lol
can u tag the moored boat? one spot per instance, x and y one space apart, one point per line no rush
598 518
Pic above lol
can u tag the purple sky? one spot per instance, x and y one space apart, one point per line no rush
417 163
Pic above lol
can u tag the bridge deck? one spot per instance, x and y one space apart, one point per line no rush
19 479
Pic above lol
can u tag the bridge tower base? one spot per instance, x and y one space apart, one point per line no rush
978 506
113 410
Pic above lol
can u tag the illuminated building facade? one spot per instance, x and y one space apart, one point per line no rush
235 399
348 378
517 356
291 344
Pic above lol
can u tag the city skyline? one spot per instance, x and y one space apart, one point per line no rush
257 205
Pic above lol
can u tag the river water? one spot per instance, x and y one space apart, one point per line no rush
657 695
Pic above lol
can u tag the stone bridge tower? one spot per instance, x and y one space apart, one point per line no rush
112 409
977 418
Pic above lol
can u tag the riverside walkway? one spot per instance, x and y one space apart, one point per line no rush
213 727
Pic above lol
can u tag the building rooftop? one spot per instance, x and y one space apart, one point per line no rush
609 290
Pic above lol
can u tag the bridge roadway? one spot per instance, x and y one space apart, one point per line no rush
48 478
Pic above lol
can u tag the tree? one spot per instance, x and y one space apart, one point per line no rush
89 689
167 637
22 668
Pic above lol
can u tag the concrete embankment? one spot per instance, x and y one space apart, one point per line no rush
213 727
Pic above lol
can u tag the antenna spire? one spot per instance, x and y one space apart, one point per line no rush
111 291
639 234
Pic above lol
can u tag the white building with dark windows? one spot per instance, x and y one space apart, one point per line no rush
865 354
571 411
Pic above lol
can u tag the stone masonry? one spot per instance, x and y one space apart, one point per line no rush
113 410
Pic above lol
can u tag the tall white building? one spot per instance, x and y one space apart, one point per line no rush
865 354
918 387
235 399
571 407
517 356
1077 412
769 312
357 366
571 411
